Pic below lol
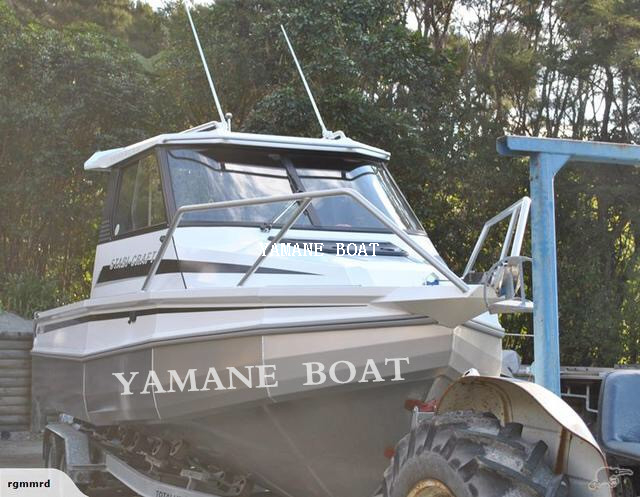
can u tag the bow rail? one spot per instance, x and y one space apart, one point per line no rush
304 199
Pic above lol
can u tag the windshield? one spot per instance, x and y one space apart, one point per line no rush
203 175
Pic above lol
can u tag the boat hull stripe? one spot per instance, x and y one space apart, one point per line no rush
133 315
169 266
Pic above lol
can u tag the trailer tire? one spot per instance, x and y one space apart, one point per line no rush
467 454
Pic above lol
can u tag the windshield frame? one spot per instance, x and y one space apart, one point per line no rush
163 155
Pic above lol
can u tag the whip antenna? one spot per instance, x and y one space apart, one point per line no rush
223 121
325 132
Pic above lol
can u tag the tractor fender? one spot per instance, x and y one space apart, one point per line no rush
572 449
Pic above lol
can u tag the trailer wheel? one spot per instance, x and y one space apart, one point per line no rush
466 454
55 456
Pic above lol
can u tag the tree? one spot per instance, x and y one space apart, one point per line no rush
433 81
64 94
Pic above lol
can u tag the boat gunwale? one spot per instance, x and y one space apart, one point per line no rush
247 331
258 296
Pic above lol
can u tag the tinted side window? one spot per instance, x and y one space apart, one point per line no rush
140 201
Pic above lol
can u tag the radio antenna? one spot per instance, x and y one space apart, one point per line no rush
223 121
325 132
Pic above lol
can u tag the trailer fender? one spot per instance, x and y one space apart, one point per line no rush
572 448
76 448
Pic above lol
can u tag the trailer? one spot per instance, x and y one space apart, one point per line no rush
590 439
474 414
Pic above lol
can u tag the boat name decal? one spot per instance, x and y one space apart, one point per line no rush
133 260
340 249
258 376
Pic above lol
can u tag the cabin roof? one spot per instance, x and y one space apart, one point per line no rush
202 135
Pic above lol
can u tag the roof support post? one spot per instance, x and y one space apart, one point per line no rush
546 342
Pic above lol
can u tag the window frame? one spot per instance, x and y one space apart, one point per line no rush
116 196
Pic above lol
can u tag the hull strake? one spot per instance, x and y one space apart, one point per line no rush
112 330
133 315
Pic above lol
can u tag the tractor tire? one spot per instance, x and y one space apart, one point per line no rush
468 454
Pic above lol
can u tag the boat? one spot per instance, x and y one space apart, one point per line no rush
198 292
266 311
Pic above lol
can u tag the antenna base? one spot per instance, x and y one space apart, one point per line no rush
333 135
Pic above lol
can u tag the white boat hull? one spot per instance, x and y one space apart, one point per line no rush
330 437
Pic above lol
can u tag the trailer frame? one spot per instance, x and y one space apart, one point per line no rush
80 468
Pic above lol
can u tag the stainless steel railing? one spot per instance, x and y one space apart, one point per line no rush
304 199
519 212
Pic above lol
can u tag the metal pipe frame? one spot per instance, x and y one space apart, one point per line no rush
586 397
305 198
547 156
276 239
519 209
143 484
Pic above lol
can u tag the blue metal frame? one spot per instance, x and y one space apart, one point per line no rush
546 157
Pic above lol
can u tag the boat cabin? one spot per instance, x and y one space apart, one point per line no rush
151 180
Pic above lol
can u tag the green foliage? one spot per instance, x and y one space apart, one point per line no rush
26 293
135 22
434 87
64 94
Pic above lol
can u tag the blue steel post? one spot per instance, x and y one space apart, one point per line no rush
546 158
546 342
